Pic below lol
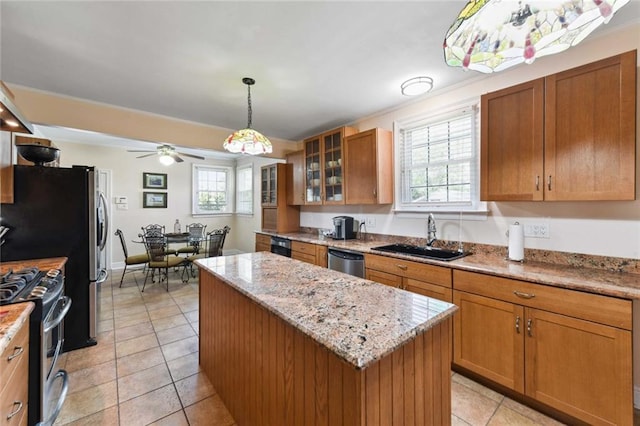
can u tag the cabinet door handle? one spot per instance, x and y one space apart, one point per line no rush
549 183
538 183
16 411
524 295
518 324
529 323
375 192
16 353
403 267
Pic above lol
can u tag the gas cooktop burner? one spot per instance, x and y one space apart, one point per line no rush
12 283
30 284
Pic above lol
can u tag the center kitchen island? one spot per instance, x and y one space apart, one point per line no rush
288 343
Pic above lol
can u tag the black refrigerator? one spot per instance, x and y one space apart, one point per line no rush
60 212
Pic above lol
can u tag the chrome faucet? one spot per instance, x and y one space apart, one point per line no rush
431 230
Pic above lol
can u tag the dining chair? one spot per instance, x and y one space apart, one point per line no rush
153 230
196 236
225 230
161 260
212 247
134 259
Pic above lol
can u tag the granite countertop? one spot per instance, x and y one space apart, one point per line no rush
592 280
359 320
11 319
43 264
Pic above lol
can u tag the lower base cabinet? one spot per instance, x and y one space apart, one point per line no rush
570 363
311 253
263 242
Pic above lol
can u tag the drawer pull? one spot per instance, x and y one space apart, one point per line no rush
518 324
529 322
17 351
403 267
16 411
524 295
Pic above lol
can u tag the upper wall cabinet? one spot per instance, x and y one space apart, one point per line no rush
368 167
583 148
323 167
296 194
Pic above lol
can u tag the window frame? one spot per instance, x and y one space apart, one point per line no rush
229 189
239 169
427 118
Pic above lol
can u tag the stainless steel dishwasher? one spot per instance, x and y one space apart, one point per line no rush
347 261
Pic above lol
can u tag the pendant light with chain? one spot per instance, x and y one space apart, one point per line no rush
248 141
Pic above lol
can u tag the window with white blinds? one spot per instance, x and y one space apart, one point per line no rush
244 189
438 162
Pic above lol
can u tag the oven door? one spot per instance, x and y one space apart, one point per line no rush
54 381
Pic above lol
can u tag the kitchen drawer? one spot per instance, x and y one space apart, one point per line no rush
19 344
592 307
301 247
305 257
405 268
15 389
263 242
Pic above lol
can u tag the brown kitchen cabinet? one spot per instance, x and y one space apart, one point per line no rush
563 348
308 252
368 167
6 168
428 280
295 195
14 379
560 137
277 215
323 167
263 242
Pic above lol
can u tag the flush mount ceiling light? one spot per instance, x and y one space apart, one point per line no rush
416 86
492 35
248 141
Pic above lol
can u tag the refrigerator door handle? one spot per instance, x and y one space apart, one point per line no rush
104 224
102 276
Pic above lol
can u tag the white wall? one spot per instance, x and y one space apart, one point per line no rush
126 172
598 228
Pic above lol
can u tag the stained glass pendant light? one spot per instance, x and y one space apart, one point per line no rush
248 141
492 35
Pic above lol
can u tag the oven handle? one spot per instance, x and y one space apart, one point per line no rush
66 301
56 353
63 395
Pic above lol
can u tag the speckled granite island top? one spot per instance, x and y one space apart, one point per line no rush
11 319
358 320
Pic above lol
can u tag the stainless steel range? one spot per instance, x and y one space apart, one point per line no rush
48 385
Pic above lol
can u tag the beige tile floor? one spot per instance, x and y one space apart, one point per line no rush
144 370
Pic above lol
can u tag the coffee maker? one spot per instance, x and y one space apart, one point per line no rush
343 228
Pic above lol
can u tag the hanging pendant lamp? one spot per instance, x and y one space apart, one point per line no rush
492 35
248 141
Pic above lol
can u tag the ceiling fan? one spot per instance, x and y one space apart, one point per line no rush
167 151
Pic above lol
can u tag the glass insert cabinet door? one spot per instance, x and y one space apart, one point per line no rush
333 168
313 170
268 185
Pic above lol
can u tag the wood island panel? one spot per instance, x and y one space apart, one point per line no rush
268 372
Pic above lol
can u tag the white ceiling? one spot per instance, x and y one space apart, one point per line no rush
317 65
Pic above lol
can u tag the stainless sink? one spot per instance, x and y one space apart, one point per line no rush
426 252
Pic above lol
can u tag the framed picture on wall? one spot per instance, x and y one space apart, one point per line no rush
156 200
154 180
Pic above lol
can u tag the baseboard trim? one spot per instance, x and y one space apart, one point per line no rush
636 397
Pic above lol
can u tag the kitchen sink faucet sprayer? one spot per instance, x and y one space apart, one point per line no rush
431 230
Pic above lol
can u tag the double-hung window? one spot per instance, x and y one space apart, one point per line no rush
438 162
244 189
213 190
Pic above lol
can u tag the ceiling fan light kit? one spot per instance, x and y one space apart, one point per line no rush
248 141
493 35
167 155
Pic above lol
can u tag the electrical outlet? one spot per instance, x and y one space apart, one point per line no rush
537 230
371 222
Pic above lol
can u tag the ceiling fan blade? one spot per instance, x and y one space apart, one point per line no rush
191 155
146 155
176 157
145 150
